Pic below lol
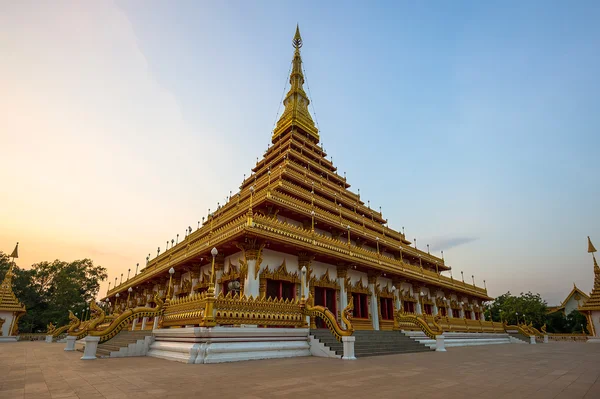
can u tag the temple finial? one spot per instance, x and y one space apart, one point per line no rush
297 41
591 248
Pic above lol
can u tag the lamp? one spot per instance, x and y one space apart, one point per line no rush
171 272
129 290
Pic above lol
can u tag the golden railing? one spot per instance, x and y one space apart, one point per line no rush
454 324
432 331
520 328
234 310
59 331
237 310
124 319
185 311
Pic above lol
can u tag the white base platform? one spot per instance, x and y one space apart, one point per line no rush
461 339
10 338
228 344
593 340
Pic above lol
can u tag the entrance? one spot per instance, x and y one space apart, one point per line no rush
325 297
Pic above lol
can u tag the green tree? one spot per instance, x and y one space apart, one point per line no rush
556 323
575 322
51 289
527 307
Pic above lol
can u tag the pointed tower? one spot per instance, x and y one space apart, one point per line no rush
591 308
295 211
11 309
296 115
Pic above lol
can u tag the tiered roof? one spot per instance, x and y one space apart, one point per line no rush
593 303
296 201
8 300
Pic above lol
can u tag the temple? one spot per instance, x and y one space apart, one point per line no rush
295 210
11 310
573 301
591 308
295 249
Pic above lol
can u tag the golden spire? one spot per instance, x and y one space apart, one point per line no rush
296 114
591 248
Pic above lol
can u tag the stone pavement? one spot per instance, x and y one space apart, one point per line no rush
555 370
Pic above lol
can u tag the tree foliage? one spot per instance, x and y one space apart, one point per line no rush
527 307
532 308
50 289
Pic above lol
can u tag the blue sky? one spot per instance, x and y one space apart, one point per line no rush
472 124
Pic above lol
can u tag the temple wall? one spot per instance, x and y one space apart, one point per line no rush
571 305
8 319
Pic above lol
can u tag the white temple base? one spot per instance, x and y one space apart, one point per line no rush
593 340
10 338
228 344
48 339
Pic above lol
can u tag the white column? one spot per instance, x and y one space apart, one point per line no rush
449 309
251 284
374 303
418 309
342 272
91 345
397 302
144 321
49 338
348 345
155 325
134 324
70 343
435 309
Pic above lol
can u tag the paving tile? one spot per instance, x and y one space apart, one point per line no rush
556 370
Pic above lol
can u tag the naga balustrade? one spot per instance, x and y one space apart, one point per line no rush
408 321
455 324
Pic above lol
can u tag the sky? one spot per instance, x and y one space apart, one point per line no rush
474 125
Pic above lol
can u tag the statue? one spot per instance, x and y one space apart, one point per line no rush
50 328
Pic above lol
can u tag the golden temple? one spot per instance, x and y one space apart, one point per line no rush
296 211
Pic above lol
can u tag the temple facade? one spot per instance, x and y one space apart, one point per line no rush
294 210
575 299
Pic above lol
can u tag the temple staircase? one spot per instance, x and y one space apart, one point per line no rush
519 336
454 339
125 344
371 343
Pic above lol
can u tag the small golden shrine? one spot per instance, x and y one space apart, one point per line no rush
11 310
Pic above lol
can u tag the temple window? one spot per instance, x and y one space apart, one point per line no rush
387 308
409 307
361 307
280 289
455 313
428 309
467 314
443 312
325 297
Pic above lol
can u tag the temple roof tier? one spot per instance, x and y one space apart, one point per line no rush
8 300
275 231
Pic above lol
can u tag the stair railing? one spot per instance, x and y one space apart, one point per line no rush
433 332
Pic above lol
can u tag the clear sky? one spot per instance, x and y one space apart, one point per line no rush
475 125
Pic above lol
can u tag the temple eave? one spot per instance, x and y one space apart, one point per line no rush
267 231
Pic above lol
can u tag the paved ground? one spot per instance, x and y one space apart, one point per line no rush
555 370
